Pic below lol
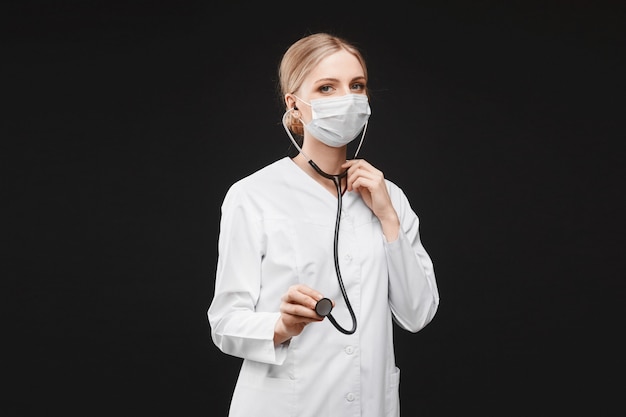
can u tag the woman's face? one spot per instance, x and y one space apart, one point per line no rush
336 75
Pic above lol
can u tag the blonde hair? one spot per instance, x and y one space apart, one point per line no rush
301 57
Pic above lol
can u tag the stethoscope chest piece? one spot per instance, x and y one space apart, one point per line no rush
324 307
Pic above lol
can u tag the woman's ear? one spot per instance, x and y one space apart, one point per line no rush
290 101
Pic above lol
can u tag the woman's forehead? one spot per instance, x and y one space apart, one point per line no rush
339 65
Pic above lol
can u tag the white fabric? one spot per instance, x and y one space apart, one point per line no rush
277 230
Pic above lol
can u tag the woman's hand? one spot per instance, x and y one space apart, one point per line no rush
297 309
369 182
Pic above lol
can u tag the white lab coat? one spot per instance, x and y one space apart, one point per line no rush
276 230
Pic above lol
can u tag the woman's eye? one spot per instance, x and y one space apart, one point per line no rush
325 88
358 86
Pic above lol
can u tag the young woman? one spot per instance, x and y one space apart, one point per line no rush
318 256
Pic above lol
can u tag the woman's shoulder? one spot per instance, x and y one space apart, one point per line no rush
393 188
261 181
276 168
396 193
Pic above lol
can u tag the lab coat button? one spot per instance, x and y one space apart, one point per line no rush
348 258
350 397
349 350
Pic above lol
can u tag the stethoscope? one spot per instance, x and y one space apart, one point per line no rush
325 305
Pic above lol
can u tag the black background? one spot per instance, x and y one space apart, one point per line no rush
125 122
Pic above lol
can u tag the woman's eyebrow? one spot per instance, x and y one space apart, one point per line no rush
321 80
329 79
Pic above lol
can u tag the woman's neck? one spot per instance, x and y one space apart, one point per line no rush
327 159
328 166
328 169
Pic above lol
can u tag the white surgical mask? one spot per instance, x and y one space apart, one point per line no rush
337 121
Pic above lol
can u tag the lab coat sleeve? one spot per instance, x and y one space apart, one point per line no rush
236 327
413 293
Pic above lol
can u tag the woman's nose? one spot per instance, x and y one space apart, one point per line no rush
344 90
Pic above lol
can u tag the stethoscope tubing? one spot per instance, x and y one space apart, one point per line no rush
325 306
